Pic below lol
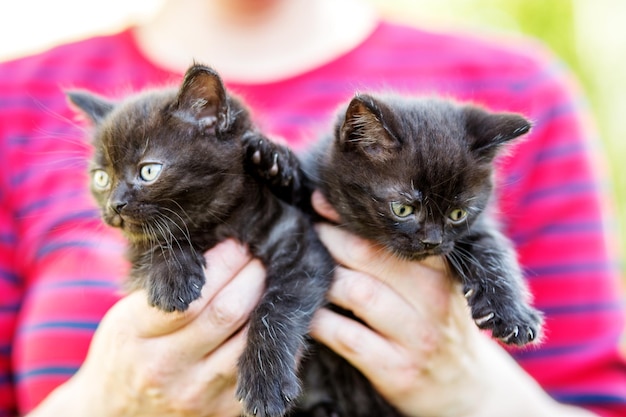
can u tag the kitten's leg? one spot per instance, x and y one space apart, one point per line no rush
494 286
299 274
274 165
173 276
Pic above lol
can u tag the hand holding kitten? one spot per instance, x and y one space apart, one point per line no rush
419 346
144 362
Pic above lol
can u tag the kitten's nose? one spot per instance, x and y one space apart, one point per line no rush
118 206
428 245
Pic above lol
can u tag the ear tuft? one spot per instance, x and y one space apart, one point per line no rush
202 98
363 128
94 107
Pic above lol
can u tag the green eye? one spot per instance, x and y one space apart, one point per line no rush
150 172
402 210
457 215
101 179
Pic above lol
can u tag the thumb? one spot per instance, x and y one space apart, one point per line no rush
323 207
224 261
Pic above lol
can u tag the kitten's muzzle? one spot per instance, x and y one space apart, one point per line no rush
114 214
430 245
118 206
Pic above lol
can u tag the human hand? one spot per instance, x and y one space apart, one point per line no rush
419 346
144 362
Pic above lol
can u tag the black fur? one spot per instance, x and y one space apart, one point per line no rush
169 169
414 175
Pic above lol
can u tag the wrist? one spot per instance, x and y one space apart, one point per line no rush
508 390
74 398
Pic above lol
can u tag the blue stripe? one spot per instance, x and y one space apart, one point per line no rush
582 308
10 277
10 308
48 201
596 345
558 229
565 189
56 246
18 140
589 398
47 371
6 378
8 239
556 111
560 151
5 350
67 325
91 283
573 268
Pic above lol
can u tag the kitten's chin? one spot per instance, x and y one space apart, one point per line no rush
420 255
115 221
133 231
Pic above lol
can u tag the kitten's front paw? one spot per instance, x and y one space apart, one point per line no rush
513 324
175 294
266 388
272 162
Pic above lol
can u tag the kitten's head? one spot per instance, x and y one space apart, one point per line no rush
166 160
414 174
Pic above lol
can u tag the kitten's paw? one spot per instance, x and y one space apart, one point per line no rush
175 295
266 392
514 323
272 162
519 329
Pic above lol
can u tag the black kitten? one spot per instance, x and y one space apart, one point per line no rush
414 175
169 169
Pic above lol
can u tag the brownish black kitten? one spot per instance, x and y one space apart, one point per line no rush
169 170
414 175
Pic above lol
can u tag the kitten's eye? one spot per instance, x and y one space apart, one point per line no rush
150 172
402 210
457 215
101 179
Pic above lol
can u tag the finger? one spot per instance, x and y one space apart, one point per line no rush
427 281
226 313
378 305
323 207
356 343
224 261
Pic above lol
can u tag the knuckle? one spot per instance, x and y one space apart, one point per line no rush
351 340
226 312
362 293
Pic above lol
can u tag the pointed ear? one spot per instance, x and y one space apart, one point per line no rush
489 131
364 129
202 98
94 107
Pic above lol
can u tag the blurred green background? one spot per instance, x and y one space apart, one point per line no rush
589 36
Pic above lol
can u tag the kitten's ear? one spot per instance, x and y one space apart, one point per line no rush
489 131
363 128
94 107
202 98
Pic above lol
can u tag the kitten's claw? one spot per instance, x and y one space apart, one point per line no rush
469 293
256 157
481 321
274 169
514 333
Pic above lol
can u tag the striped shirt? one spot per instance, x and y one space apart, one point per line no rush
60 268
